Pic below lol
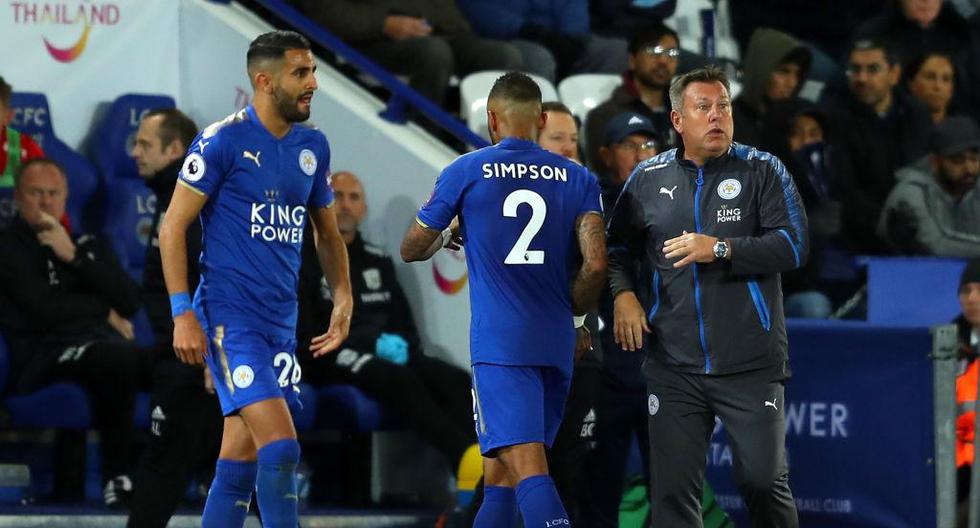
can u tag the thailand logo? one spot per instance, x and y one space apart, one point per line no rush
86 14
449 271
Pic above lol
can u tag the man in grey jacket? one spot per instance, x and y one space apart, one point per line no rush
716 222
934 208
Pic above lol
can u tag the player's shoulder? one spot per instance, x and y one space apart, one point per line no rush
661 162
227 126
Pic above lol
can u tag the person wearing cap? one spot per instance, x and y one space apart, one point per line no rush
934 208
629 138
715 222
968 330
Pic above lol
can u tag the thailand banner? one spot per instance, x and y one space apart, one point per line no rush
84 52
859 429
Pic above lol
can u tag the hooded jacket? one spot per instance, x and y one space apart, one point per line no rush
920 217
767 49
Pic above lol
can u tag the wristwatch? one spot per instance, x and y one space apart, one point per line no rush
721 249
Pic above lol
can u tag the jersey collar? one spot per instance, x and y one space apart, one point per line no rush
250 110
513 143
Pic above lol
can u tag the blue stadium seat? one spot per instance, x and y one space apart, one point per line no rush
913 291
129 203
347 408
32 116
58 406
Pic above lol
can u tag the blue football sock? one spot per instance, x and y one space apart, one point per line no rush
539 502
231 491
499 508
275 485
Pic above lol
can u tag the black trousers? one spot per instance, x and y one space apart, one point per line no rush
185 435
622 415
432 396
682 410
111 372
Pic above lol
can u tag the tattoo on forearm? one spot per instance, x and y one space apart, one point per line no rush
592 275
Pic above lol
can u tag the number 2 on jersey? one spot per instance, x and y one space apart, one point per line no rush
520 254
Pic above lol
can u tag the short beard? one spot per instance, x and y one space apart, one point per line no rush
647 81
287 106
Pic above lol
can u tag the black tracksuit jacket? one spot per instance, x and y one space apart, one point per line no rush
725 316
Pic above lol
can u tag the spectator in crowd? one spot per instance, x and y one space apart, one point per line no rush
623 18
15 150
918 26
934 208
796 132
65 304
931 79
383 354
826 26
621 409
562 27
968 325
879 129
560 132
427 40
653 54
186 421
629 138
774 67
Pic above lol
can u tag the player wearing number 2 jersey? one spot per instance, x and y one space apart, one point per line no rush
253 179
526 214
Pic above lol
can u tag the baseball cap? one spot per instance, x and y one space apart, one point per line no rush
954 135
626 123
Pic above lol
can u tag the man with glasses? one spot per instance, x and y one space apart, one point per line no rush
879 128
935 207
653 57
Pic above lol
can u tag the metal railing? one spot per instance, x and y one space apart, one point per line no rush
402 95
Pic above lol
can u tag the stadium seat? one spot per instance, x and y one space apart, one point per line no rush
129 203
32 116
347 408
473 91
688 21
56 406
585 91
913 291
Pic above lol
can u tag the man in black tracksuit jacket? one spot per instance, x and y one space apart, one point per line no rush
65 302
186 421
716 222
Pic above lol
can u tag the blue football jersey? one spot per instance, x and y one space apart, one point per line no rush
259 190
517 204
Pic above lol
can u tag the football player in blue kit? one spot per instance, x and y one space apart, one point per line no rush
253 178
525 215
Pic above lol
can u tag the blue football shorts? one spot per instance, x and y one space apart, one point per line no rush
517 404
248 367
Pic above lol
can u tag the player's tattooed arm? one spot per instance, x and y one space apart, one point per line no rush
592 275
421 242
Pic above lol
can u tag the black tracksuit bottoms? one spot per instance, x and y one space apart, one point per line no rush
682 410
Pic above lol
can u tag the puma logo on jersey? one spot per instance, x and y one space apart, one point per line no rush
663 190
254 157
771 404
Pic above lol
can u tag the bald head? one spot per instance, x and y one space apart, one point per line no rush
514 108
350 203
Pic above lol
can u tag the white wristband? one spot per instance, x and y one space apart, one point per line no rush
447 237
579 320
